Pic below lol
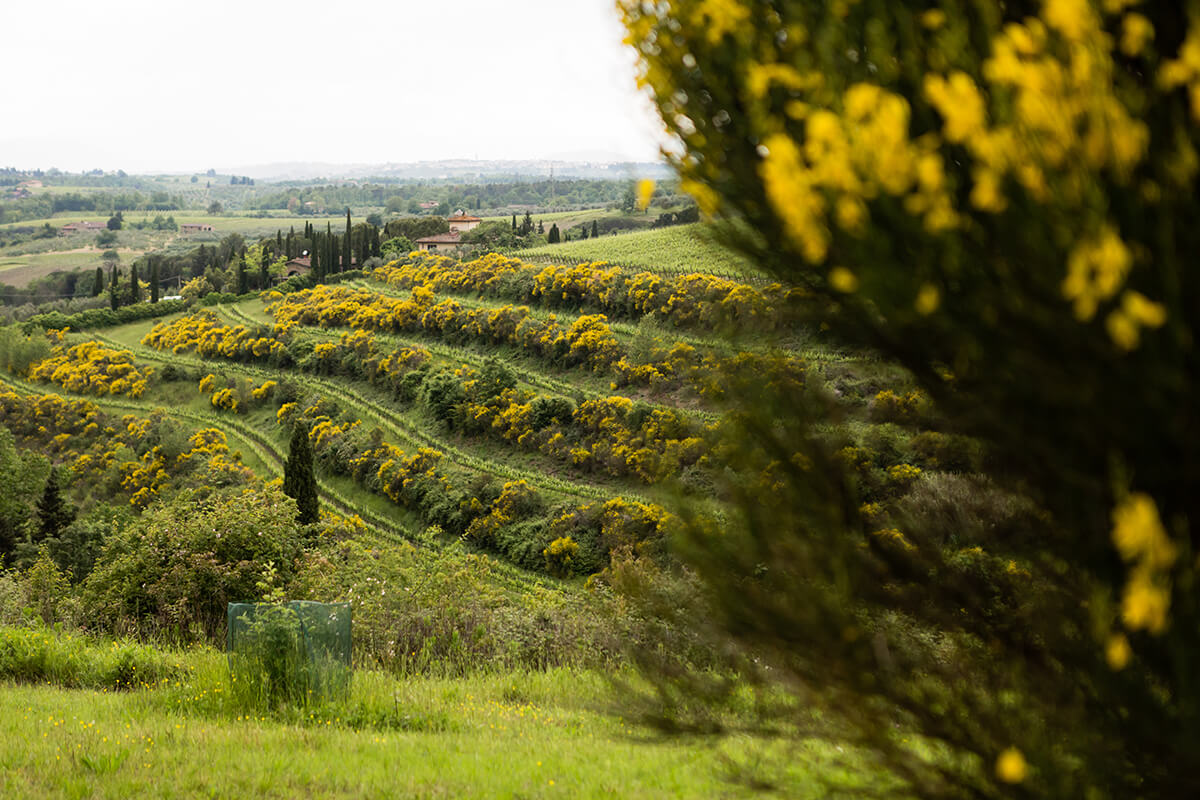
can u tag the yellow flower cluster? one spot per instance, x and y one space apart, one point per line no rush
239 396
694 299
1142 541
124 453
559 554
588 340
92 368
618 523
1053 115
203 333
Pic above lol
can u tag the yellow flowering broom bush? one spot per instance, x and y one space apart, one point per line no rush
1002 198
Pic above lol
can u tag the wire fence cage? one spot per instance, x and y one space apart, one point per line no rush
292 653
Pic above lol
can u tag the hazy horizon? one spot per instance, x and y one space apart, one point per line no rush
149 88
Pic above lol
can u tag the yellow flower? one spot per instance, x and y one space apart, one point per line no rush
1136 310
959 102
645 191
1072 18
843 280
1136 31
928 299
1139 535
1145 603
705 197
933 19
789 187
1096 269
719 17
1011 766
1117 652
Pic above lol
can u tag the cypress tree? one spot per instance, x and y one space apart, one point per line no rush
263 276
287 246
113 301
53 511
514 222
541 228
595 229
553 237
278 241
135 290
98 283
154 278
346 245
299 480
242 284
331 253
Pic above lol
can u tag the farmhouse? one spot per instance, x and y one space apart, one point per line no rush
297 266
461 223
443 242
81 227
430 205
194 227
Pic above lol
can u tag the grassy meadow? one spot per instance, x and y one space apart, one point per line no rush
484 667
508 734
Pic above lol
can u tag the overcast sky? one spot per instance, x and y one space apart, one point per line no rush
160 85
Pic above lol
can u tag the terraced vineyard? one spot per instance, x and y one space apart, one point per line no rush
671 251
578 418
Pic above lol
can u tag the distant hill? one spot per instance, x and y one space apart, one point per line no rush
455 168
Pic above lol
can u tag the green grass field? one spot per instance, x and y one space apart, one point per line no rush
674 250
509 734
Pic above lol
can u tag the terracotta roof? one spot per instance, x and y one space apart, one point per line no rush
442 238
301 261
465 219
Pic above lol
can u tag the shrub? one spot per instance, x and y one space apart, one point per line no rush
559 555
1000 198
178 565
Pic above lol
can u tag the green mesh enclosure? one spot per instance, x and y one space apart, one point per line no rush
289 653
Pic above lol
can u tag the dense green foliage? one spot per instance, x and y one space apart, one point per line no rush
998 197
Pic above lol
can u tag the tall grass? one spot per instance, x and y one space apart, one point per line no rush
38 654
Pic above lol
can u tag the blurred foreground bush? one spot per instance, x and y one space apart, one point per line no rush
1001 197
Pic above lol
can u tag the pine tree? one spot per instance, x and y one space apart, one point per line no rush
98 283
526 224
135 290
53 511
154 279
299 480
